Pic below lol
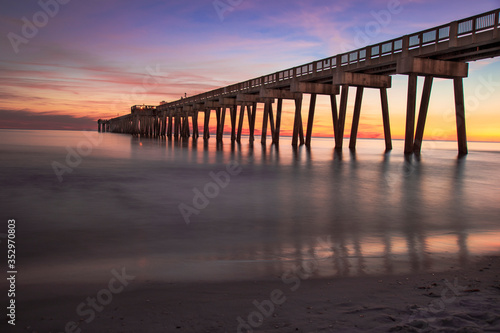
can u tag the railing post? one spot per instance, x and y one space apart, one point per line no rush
368 56
495 25
474 26
406 45
453 34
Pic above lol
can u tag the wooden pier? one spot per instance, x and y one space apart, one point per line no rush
439 52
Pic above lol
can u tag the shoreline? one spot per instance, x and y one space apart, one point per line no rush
466 299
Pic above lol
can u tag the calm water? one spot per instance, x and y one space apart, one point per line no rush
362 213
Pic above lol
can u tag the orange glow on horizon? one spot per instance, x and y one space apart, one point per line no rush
66 110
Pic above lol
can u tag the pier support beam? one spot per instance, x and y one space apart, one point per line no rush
361 81
222 122
310 119
221 119
187 133
437 68
156 120
276 137
267 117
196 133
232 112
297 123
386 119
410 112
170 125
314 89
422 115
227 103
460 116
278 93
339 136
269 95
218 117
431 68
249 102
271 118
356 116
240 122
206 125
164 125
177 126
251 118
272 94
264 124
335 116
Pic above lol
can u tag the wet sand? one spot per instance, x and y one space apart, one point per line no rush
457 300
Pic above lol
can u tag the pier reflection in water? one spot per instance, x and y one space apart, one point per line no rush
362 212
345 213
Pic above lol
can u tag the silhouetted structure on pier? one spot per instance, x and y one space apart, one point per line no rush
441 52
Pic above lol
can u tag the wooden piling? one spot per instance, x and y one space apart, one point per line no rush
170 125
177 126
271 119
251 119
222 122
422 115
276 137
297 123
232 112
335 117
339 136
356 116
460 115
206 125
195 125
240 122
217 116
264 123
310 120
386 119
410 112
187 133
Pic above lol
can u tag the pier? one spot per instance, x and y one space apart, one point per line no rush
439 52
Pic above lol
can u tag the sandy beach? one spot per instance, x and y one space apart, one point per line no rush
456 300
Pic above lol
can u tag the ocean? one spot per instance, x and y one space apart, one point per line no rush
86 203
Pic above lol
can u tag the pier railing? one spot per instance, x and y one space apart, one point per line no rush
450 33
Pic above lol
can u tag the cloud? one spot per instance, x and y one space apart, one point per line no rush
24 119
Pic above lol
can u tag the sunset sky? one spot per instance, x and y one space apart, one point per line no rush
94 59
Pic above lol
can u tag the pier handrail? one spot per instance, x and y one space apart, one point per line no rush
470 26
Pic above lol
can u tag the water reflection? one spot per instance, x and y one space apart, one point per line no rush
356 212
457 205
381 215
